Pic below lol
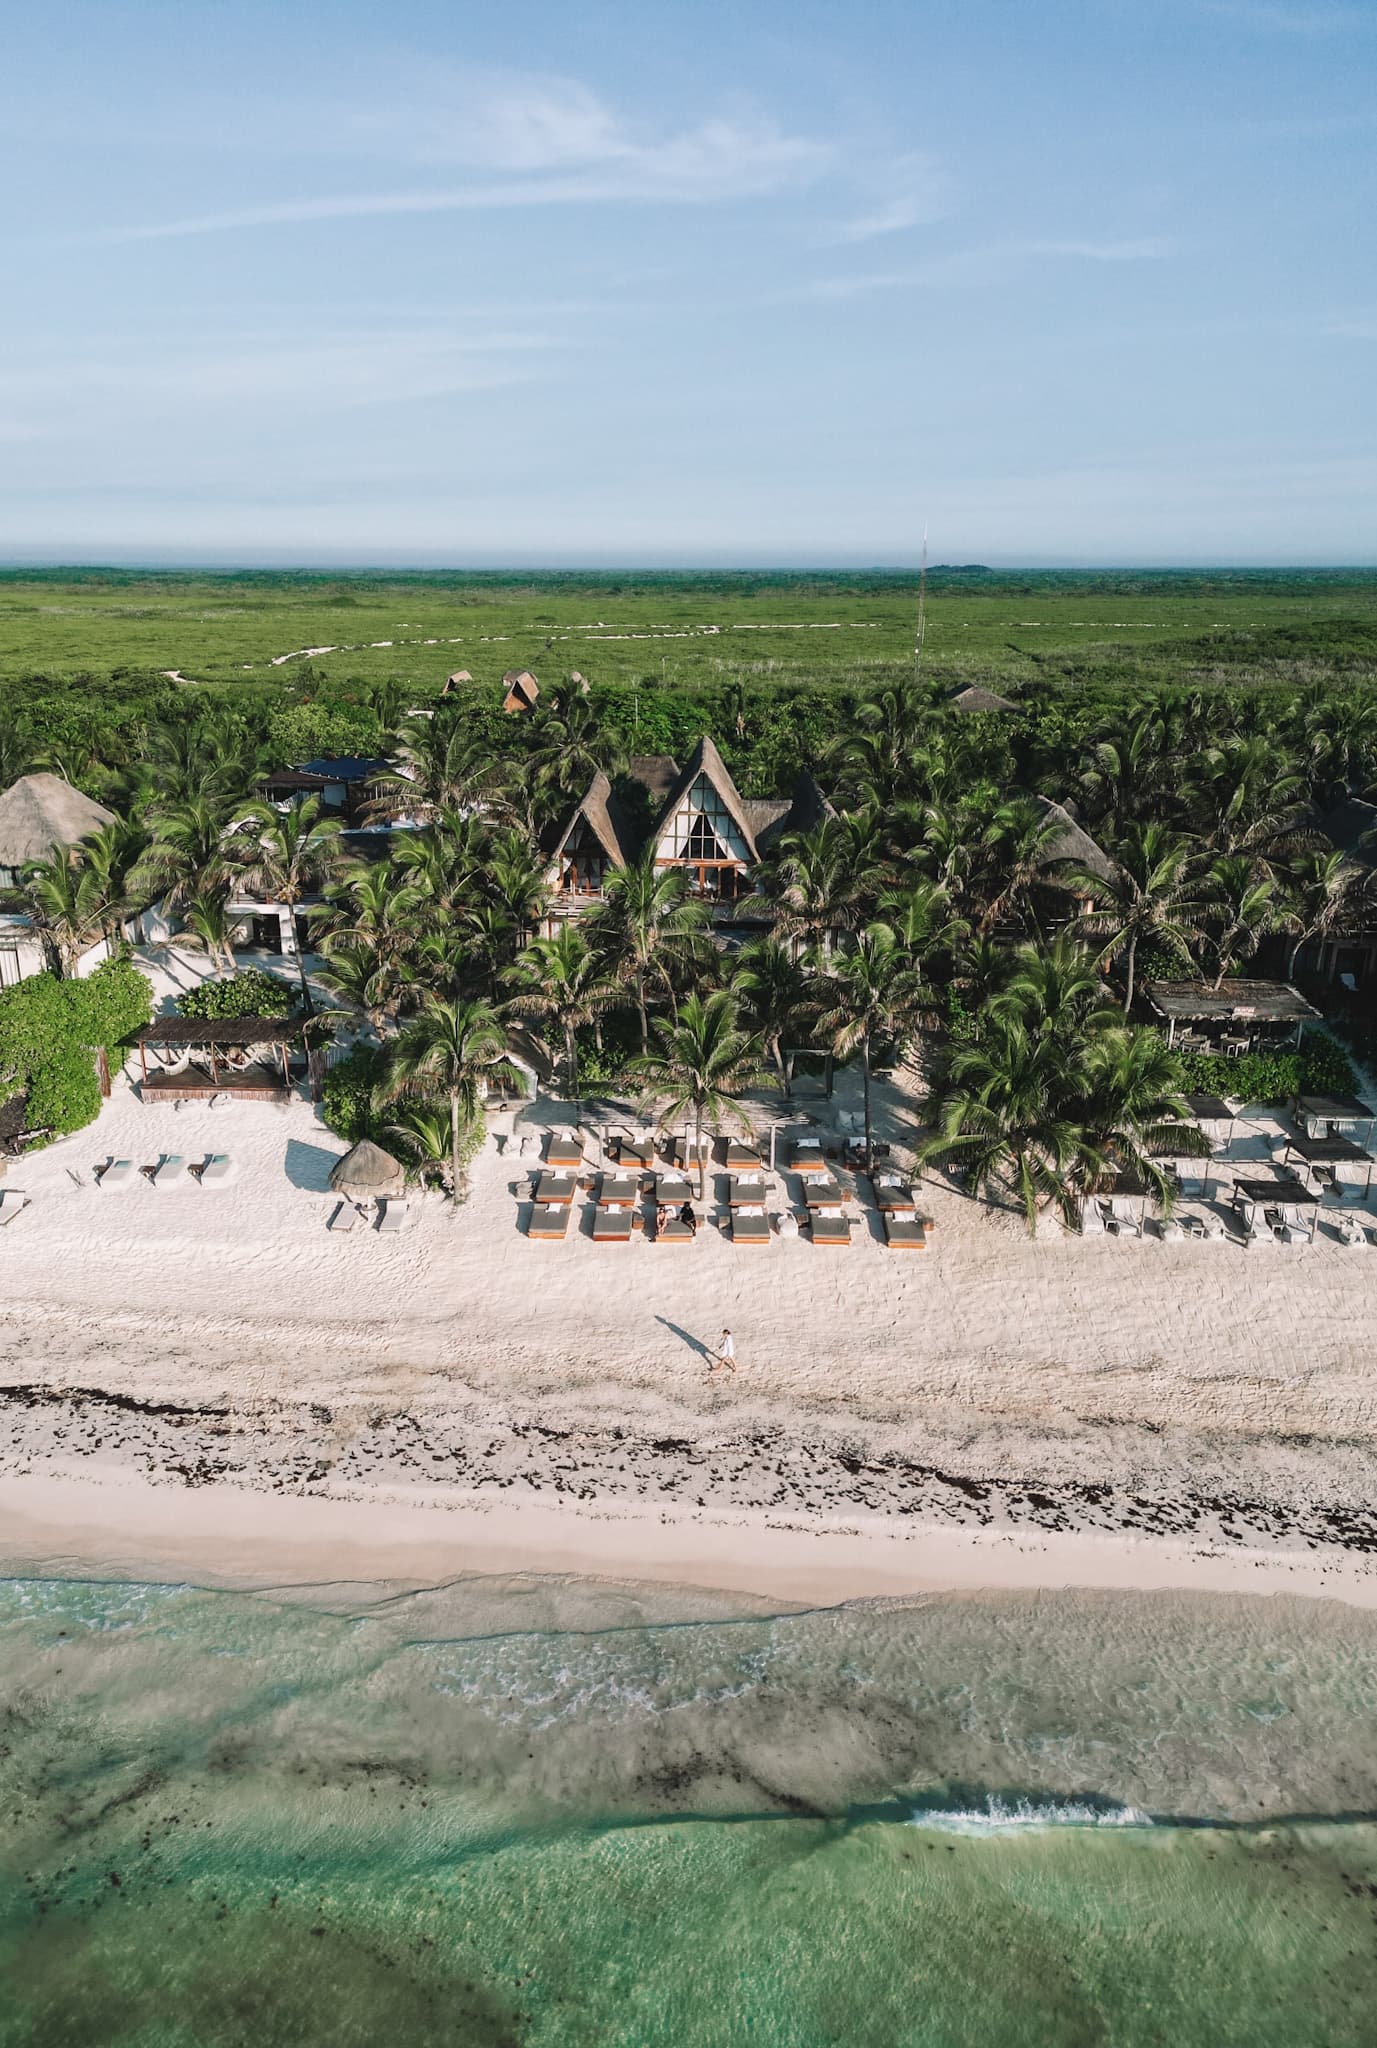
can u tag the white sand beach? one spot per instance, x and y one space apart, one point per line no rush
1186 1393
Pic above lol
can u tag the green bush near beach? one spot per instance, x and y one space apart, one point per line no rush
347 1098
50 1033
1320 1067
251 993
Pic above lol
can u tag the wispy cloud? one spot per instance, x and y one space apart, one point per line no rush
908 193
990 264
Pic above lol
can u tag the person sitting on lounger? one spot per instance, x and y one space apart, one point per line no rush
686 1215
661 1218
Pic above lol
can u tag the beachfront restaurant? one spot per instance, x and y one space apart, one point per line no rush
1236 1018
194 1058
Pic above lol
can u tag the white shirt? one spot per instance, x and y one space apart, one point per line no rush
727 1348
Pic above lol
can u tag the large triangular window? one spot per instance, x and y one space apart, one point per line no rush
702 828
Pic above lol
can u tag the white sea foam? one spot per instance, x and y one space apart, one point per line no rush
998 1814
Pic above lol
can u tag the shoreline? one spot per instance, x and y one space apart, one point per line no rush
116 1526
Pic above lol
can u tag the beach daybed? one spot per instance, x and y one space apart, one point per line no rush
555 1187
893 1196
618 1191
564 1151
549 1219
612 1226
750 1225
12 1204
217 1172
741 1157
344 1218
822 1194
830 1226
393 1215
672 1189
674 1232
634 1154
746 1188
118 1174
804 1155
171 1171
904 1233
691 1151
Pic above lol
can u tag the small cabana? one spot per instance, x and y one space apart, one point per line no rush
1295 1207
1328 1155
1335 1116
197 1057
366 1171
1237 1017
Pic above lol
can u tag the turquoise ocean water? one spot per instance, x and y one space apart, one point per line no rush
529 1811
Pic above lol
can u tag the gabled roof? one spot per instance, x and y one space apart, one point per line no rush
1071 844
656 772
804 810
708 763
521 687
599 807
976 698
41 812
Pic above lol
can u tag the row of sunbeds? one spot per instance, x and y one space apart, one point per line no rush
171 1171
617 1210
564 1153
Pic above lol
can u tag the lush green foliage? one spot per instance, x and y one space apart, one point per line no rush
1320 1067
50 1031
252 992
347 1097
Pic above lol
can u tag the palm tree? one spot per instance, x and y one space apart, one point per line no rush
870 994
702 1062
68 905
424 1132
518 881
451 1049
1325 889
1001 1111
439 764
1246 906
776 993
1018 843
568 747
564 982
1152 893
209 924
1133 1113
648 921
189 853
286 855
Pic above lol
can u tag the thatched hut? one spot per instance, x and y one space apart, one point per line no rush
39 813
367 1171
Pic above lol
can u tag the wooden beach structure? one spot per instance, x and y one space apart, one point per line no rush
1236 1018
197 1057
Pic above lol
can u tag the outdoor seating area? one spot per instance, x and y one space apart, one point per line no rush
1236 1018
195 1058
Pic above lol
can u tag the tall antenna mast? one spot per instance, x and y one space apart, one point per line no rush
922 612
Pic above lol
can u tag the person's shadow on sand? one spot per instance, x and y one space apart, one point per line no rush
695 1344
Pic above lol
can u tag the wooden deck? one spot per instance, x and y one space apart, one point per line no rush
196 1084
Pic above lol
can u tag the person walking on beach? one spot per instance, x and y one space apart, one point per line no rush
726 1353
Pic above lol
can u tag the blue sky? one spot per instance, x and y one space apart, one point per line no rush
1060 280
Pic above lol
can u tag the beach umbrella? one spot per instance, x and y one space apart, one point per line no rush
367 1170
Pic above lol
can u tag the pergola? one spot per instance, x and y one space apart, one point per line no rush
242 1056
1335 1116
1233 1016
1282 1195
1333 1152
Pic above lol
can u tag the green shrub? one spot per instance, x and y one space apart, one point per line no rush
347 1096
252 993
50 1031
1320 1067
1325 1067
110 1005
64 1093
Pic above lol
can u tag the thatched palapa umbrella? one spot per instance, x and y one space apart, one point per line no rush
366 1171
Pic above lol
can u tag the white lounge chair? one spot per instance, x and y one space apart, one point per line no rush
1352 1234
171 1171
344 1218
12 1204
393 1215
118 1174
217 1171
1092 1219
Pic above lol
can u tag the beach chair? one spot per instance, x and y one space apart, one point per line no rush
618 1191
1169 1231
564 1151
672 1189
1092 1218
822 1194
549 1219
804 1155
893 1195
675 1232
746 1190
750 1225
12 1204
171 1171
218 1171
689 1152
742 1157
1351 1234
117 1175
612 1226
555 1187
786 1224
904 1233
831 1226
393 1215
344 1219
634 1155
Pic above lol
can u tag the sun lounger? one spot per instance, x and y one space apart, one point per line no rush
564 1152
672 1189
822 1194
344 1218
1170 1231
750 1225
393 1215
118 1174
904 1233
171 1171
12 1204
746 1189
893 1197
830 1226
612 1226
675 1232
805 1156
634 1155
217 1171
555 1187
741 1157
1351 1233
549 1219
692 1151
618 1191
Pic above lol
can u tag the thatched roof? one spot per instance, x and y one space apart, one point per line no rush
599 808
40 812
975 698
367 1170
1070 845
708 763
1233 1002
